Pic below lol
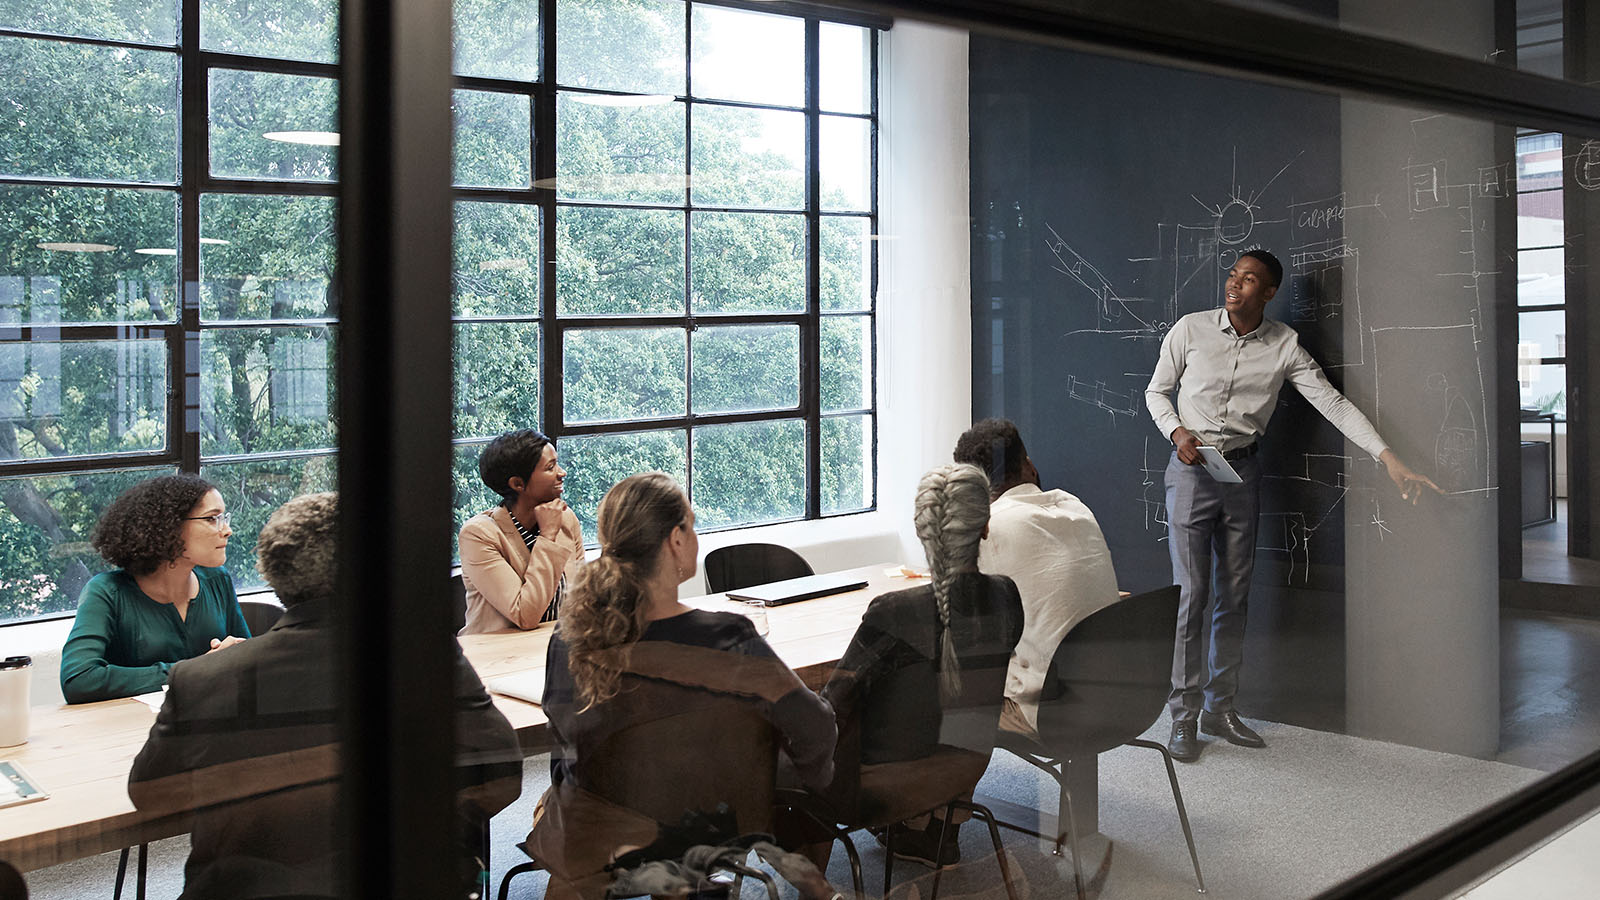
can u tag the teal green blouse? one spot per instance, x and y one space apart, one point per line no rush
122 642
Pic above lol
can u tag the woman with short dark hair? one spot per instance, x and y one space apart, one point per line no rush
169 598
518 558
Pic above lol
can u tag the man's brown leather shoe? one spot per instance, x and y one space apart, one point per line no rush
1230 727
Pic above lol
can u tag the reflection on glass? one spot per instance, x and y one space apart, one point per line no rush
493 143
266 257
743 368
623 373
496 39
1538 161
1547 391
846 249
74 398
846 148
748 157
749 472
122 20
621 45
847 483
253 490
281 29
748 56
1541 277
266 389
497 377
846 363
845 53
618 261
497 268
246 106
622 153
46 520
80 111
595 462
97 275
748 262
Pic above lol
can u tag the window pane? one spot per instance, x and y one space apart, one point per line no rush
748 157
744 368
1545 330
285 29
267 125
73 398
45 523
621 45
846 147
472 496
623 153
497 378
846 59
846 362
264 257
493 139
1539 217
618 261
1538 161
1547 391
749 56
96 273
266 389
121 20
748 262
495 39
78 111
623 373
595 462
253 491
749 472
1541 277
846 464
846 248
497 267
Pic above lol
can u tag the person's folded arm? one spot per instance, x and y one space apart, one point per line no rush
86 674
520 596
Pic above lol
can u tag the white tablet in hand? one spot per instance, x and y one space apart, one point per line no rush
1211 458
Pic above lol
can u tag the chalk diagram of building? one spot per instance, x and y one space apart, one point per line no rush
1324 279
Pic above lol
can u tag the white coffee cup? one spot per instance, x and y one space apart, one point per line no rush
16 673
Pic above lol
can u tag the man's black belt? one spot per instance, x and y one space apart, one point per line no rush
1241 452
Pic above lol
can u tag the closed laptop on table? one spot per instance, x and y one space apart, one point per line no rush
778 593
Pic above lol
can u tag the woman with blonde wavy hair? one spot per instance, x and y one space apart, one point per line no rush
925 672
627 653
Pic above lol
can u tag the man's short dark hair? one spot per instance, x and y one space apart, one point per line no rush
995 446
1274 268
511 455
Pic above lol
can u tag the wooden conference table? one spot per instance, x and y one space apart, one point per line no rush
81 754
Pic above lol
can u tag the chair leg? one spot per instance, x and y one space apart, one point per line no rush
855 863
888 858
1072 836
1177 798
938 849
122 872
139 883
518 869
987 815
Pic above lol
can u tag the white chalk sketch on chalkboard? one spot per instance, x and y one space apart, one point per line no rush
1109 307
1296 528
1096 393
1494 181
1430 188
1430 376
1586 166
1154 475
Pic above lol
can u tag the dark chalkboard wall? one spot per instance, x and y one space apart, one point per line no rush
1109 198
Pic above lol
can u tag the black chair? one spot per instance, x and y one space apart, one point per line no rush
260 615
746 565
458 599
1107 683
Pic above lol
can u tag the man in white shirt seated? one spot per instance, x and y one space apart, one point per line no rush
1049 543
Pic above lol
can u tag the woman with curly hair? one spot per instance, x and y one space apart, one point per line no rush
627 654
169 598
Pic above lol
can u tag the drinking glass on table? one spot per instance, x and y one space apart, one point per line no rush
758 615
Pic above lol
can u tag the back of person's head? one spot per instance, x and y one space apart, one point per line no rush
296 549
606 606
1274 268
143 527
952 510
994 446
511 455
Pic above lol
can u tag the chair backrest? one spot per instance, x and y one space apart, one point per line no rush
260 615
701 751
746 565
1111 675
458 600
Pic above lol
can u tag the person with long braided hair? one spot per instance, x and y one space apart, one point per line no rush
924 675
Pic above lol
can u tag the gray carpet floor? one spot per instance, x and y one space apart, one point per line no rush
1300 816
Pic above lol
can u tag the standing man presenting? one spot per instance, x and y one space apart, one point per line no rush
1227 366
